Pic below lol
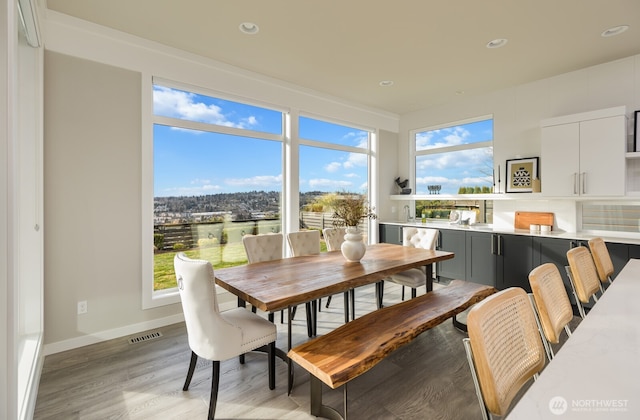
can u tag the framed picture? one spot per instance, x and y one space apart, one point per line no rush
636 136
521 173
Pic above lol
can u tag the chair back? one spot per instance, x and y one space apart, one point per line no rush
584 273
263 247
601 258
551 300
424 238
209 335
334 237
305 242
506 345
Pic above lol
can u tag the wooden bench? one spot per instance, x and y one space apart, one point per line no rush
353 348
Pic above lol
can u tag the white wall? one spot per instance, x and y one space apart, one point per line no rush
97 122
7 410
21 287
517 113
117 306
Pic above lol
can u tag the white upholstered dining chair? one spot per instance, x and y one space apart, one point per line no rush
424 238
264 247
306 242
334 237
215 335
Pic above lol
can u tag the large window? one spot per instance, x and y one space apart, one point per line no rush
220 170
333 159
454 159
217 168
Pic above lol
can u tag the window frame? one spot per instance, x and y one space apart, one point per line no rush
369 151
439 150
290 172
156 298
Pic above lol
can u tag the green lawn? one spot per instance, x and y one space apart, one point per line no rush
221 256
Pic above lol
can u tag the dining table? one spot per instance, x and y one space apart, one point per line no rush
596 372
285 283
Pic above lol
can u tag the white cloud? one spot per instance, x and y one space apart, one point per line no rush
199 181
178 104
356 159
333 167
191 190
260 181
335 184
441 138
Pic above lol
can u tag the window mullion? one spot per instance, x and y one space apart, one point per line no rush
469 146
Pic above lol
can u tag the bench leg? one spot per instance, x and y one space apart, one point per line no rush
459 325
317 408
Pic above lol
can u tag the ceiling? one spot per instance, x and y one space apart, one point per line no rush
433 50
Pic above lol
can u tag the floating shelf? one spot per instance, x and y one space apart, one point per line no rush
630 195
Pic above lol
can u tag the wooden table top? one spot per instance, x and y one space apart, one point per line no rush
275 285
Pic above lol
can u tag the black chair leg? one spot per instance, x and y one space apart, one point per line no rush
314 317
309 319
271 354
346 307
192 367
215 381
413 293
352 306
241 359
328 302
402 292
379 293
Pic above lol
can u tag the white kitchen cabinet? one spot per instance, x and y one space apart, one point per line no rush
584 154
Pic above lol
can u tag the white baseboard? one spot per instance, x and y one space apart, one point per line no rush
226 301
98 337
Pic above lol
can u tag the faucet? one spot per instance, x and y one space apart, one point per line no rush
407 212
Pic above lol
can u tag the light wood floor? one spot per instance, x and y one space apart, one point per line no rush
427 379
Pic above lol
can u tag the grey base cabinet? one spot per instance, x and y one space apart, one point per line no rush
514 261
499 260
480 259
553 250
505 260
390 234
452 241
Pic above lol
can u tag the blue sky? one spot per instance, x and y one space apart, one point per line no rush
455 168
188 162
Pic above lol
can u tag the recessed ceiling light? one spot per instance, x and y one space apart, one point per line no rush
386 83
497 43
616 30
459 92
249 28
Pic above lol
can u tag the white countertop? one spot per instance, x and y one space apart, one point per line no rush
489 228
596 373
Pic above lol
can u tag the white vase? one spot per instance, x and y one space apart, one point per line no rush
353 248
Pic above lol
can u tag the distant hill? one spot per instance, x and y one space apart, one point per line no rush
240 204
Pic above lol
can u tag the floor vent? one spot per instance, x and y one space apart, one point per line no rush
146 337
